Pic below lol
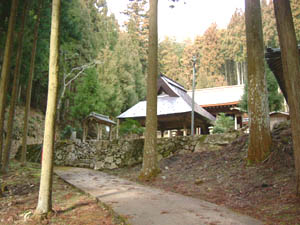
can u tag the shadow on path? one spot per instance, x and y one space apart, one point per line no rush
143 205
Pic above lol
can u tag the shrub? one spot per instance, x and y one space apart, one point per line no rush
66 132
223 124
130 126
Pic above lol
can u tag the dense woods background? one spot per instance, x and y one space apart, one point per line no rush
103 66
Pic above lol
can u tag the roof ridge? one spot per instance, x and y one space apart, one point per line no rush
170 81
220 87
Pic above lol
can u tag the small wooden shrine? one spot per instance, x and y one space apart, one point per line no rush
99 120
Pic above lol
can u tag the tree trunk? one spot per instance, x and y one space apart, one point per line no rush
238 75
150 165
29 84
10 122
45 193
226 73
291 73
260 137
6 68
243 72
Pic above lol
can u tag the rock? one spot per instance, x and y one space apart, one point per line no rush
92 165
73 136
118 161
200 147
187 147
71 157
109 159
59 156
182 152
220 139
112 166
122 153
99 165
70 148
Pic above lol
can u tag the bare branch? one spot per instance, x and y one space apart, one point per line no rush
83 67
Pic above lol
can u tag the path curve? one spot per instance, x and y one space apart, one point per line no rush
143 205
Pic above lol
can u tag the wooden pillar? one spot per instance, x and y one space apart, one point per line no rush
184 130
169 133
162 133
110 133
235 122
84 131
99 131
240 121
117 131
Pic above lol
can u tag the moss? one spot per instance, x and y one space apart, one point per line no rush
202 138
63 168
257 161
39 216
149 177
285 140
166 152
118 219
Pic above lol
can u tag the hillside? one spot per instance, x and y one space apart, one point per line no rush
265 191
36 125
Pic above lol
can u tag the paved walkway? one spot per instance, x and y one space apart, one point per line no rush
144 205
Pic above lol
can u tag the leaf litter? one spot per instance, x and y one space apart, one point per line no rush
70 206
265 191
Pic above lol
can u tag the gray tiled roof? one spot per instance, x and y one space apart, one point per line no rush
168 105
218 95
100 117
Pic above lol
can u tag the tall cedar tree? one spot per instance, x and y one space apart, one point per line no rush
88 34
260 136
6 68
295 5
138 27
150 166
45 194
169 59
10 122
291 72
234 41
269 24
4 14
211 56
187 66
29 83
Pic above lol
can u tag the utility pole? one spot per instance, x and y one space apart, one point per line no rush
193 96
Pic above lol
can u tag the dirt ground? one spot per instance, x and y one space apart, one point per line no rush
265 191
70 206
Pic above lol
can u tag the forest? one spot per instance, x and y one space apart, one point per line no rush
104 66
70 58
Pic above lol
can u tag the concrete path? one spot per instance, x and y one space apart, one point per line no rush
144 205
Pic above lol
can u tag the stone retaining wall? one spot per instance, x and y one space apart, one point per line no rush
123 153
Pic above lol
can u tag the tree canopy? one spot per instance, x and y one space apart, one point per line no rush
89 34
